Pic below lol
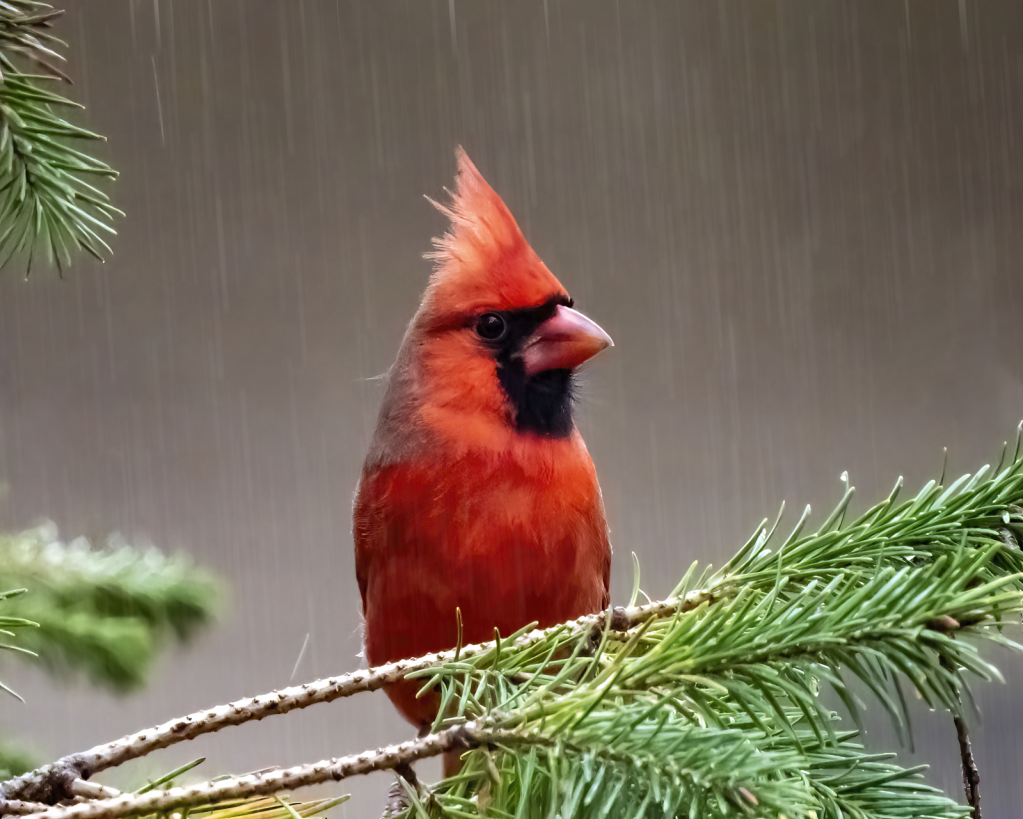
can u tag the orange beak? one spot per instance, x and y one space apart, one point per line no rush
563 342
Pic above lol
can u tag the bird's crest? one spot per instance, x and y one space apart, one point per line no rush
484 261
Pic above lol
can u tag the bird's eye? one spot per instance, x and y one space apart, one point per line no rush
491 326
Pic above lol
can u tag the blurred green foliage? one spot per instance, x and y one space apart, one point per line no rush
106 612
102 613
14 762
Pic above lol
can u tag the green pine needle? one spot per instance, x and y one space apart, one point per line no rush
7 623
47 206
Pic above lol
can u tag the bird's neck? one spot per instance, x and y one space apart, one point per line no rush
540 404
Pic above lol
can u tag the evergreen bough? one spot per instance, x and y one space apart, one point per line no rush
48 202
710 703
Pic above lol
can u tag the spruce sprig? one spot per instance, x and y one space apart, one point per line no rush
47 201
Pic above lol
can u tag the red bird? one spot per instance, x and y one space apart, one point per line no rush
478 492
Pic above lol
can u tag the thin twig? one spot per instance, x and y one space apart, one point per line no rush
93 790
971 776
52 783
264 783
397 797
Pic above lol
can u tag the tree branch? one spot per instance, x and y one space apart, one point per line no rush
17 807
54 782
264 783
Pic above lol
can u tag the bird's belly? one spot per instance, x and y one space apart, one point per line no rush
505 587
505 540
499 570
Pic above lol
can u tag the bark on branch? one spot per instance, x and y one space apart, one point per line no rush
269 782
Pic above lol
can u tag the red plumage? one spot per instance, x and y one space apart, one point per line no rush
476 493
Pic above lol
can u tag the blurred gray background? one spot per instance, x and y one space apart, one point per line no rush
800 221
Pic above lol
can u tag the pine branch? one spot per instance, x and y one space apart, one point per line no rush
244 807
39 784
46 202
661 688
704 704
18 807
264 782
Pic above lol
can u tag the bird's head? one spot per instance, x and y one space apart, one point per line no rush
496 338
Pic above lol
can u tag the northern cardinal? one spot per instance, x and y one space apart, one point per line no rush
478 492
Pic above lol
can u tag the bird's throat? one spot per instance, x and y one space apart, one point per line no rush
542 403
